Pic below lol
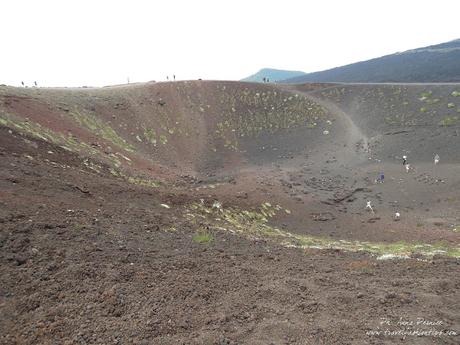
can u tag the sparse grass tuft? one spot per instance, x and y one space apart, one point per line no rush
425 95
140 181
79 227
448 121
100 128
203 237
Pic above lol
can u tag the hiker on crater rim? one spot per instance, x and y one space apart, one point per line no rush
381 178
436 159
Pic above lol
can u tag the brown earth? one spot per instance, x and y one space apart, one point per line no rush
91 253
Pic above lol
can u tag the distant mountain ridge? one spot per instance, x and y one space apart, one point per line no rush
273 75
436 63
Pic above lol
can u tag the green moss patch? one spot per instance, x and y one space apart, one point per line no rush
102 129
254 224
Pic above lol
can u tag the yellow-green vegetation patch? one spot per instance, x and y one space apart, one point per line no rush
91 165
249 113
335 94
170 229
432 101
36 130
140 181
203 237
163 139
448 121
254 224
150 136
101 129
425 95
69 143
143 182
455 93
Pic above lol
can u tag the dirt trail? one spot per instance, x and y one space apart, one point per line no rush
355 135
354 143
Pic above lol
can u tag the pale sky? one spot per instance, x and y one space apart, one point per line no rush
99 42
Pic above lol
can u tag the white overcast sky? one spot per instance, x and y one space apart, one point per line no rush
98 42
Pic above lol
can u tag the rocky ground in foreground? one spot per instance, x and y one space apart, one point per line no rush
90 259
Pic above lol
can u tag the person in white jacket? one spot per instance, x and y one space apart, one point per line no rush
369 206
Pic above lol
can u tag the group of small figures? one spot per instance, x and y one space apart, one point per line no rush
396 217
381 178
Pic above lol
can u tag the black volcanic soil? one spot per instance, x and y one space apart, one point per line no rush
88 258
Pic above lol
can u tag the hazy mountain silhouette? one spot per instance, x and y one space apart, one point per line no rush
436 63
